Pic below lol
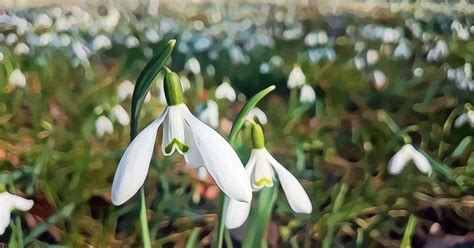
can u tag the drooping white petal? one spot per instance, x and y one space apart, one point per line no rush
399 160
173 132
133 166
121 115
20 203
17 79
219 158
4 218
192 156
420 161
103 125
125 90
460 120
296 78
258 114
262 172
294 191
225 90
236 213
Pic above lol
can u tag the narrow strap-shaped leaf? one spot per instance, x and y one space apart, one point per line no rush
409 230
146 77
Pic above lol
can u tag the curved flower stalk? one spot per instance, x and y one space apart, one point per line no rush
200 145
261 169
8 203
398 162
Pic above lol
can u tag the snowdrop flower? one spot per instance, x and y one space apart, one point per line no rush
101 42
192 64
403 156
296 78
131 41
121 115
43 21
373 57
17 79
261 169
125 90
440 51
359 63
103 125
379 80
225 90
210 114
258 114
465 117
403 50
200 145
307 94
8 203
21 49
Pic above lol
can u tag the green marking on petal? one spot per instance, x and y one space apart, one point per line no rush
182 147
264 181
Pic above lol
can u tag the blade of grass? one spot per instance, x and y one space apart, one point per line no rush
409 230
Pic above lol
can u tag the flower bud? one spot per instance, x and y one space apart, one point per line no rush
258 139
172 88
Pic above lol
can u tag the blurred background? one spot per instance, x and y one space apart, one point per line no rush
377 73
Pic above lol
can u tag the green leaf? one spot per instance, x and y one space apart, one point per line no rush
193 238
461 147
409 230
54 219
146 77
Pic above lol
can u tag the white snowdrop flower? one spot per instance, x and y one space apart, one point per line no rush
8 203
81 53
307 94
125 90
379 79
210 114
322 37
418 72
17 79
103 126
465 117
461 32
121 115
403 156
45 39
372 56
64 40
101 42
277 61
257 114
43 21
403 50
225 90
440 51
311 39
21 49
192 64
359 63
261 169
11 38
200 145
296 78
131 41
210 70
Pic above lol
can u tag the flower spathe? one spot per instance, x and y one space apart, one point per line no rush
398 162
200 145
8 203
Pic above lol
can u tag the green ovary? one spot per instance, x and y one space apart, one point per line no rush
182 147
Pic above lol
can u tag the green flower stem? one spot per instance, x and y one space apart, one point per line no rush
144 221
236 127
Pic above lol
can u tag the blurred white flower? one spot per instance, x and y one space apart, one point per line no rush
192 64
103 126
8 203
101 42
152 35
379 80
311 39
120 114
225 90
440 51
403 50
296 78
125 90
11 38
43 21
359 63
131 41
185 83
418 72
403 156
21 49
2 56
17 79
81 53
46 39
373 56
257 114
210 114
307 94
465 117
202 173
461 32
